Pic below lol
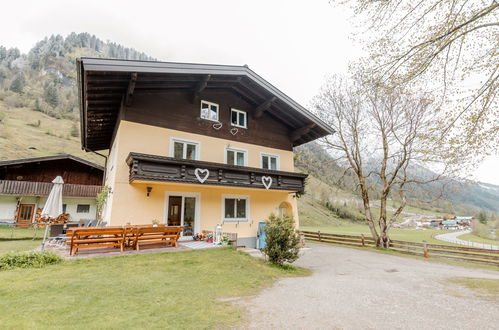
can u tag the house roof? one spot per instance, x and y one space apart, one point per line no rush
50 158
104 84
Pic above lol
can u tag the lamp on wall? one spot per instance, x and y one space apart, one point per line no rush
149 189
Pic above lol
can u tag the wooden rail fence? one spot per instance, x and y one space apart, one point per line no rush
458 253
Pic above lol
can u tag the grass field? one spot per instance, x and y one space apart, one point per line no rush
18 239
21 136
478 239
408 235
182 290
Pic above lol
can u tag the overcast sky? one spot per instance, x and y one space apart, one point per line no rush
292 44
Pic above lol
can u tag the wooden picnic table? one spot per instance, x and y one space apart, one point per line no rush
121 236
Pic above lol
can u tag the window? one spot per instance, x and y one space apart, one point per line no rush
82 208
184 149
235 157
235 208
209 110
238 118
270 162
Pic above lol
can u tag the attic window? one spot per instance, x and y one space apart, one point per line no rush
209 110
238 118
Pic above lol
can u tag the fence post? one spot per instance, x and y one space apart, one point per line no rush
425 253
363 242
319 232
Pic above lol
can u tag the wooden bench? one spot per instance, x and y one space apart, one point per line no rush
90 237
154 235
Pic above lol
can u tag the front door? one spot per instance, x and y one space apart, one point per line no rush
174 207
182 212
25 214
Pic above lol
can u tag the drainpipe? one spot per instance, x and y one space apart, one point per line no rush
105 165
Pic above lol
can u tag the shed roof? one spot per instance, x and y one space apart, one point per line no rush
104 83
50 158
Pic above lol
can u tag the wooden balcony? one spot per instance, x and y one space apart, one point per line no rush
30 188
166 169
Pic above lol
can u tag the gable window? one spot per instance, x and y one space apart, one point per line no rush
235 157
238 118
235 208
270 162
209 110
82 208
184 149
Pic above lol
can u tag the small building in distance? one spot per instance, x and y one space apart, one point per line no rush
25 184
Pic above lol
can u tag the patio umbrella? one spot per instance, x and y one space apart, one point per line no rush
53 205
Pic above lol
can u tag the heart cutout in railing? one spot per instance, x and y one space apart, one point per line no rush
267 181
202 171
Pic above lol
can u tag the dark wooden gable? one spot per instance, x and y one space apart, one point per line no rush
176 110
45 169
106 86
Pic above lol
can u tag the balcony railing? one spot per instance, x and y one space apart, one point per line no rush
145 167
30 188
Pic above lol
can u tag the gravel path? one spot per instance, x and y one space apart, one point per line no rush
355 289
452 238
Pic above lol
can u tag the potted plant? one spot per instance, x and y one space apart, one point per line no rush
155 223
209 238
225 240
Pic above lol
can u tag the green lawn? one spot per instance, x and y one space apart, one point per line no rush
157 290
477 239
408 235
18 239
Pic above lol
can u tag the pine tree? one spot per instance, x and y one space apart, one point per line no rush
18 83
482 217
51 95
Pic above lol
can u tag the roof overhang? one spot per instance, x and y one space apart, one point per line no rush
104 84
23 161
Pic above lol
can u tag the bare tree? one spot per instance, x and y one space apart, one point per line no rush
451 46
382 134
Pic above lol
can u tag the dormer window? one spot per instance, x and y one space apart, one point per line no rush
238 118
209 110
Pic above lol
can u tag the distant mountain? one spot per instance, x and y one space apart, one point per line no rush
38 94
449 196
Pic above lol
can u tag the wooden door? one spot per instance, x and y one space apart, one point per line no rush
174 210
25 214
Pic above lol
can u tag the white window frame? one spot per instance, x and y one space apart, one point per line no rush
197 219
83 205
244 151
238 112
278 160
185 141
246 219
209 104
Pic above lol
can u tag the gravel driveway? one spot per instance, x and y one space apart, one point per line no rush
355 289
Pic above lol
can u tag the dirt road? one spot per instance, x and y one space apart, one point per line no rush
355 289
